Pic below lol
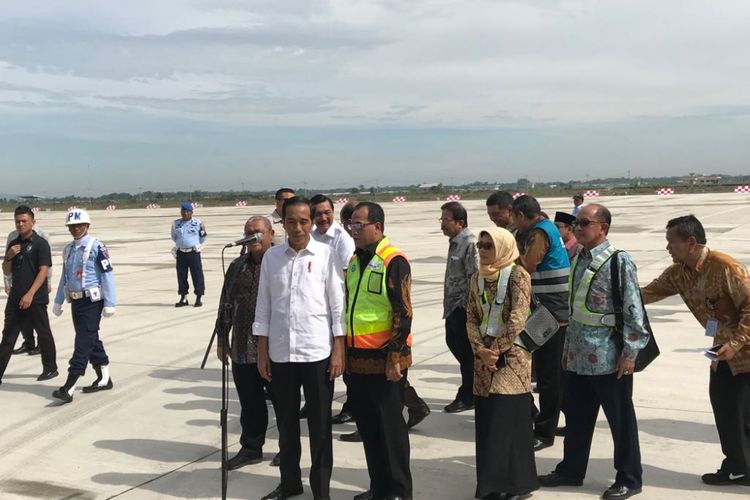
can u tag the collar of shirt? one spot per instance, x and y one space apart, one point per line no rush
702 259
83 241
309 248
465 233
591 255
276 216
366 254
330 234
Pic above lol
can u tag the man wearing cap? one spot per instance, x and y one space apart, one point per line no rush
577 204
188 234
564 223
88 284
28 258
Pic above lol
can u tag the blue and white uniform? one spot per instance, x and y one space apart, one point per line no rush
189 236
88 283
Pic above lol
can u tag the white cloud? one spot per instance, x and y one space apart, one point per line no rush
417 64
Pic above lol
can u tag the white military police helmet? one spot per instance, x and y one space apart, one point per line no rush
77 216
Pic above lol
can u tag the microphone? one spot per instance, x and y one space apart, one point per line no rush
244 241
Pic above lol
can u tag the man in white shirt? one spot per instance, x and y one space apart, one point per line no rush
330 232
299 319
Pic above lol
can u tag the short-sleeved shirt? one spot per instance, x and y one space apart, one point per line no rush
35 253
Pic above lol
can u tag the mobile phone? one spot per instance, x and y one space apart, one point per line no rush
711 352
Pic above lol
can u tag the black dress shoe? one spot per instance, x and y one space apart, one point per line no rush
33 350
198 302
352 437
276 461
244 457
560 432
342 418
303 411
540 444
367 495
620 491
96 388
279 494
182 303
553 479
47 375
24 348
63 395
419 414
457 406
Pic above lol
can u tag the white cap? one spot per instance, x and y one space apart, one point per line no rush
77 216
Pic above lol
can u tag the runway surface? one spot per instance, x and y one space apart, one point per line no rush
156 434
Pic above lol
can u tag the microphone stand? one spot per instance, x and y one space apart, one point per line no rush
222 327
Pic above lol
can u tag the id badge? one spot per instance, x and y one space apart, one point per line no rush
95 294
712 326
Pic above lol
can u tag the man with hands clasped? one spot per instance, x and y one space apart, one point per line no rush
88 284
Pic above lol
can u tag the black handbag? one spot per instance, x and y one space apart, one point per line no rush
651 351
539 327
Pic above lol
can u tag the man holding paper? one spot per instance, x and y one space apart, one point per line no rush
716 289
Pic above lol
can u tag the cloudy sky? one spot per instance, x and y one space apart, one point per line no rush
97 97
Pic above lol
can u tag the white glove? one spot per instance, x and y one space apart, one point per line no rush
57 309
174 252
198 247
108 312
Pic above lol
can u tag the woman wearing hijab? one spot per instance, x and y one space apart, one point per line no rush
499 302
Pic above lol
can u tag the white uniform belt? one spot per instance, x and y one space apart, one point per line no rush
80 295
186 250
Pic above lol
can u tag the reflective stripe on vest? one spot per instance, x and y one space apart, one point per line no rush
369 314
492 314
578 299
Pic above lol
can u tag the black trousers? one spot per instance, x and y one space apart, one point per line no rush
378 406
88 347
549 376
27 332
286 380
192 261
253 409
457 339
347 406
730 400
34 317
584 394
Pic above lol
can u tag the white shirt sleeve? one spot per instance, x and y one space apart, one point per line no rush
344 250
263 303
336 297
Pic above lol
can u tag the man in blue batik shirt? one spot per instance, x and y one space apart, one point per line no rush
599 372
188 235
88 284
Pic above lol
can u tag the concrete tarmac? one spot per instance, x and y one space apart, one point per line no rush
156 434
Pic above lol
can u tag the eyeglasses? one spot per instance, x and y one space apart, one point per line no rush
485 246
359 225
584 223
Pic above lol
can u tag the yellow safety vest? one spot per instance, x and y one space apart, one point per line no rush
579 311
492 314
368 310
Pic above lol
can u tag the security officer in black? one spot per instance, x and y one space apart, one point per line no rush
28 258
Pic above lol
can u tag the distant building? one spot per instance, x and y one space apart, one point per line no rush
426 186
702 180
